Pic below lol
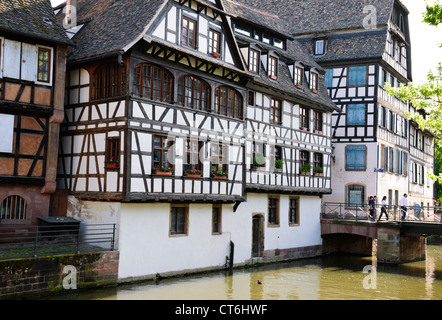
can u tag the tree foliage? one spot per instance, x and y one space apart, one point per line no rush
433 14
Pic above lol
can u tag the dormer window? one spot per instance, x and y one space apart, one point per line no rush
214 43
298 76
188 32
273 68
314 82
254 61
319 47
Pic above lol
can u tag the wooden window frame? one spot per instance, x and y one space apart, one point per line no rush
113 153
273 205
299 76
317 121
185 35
162 149
108 80
251 98
293 211
304 157
219 152
318 160
273 68
276 111
304 118
190 154
254 61
194 93
228 102
153 82
314 82
174 229
217 220
214 43
48 62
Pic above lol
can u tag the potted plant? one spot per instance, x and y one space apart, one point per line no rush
216 54
278 165
111 163
319 171
219 174
194 173
164 170
273 77
314 90
305 169
259 162
298 84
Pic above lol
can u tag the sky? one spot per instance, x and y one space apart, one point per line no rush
425 40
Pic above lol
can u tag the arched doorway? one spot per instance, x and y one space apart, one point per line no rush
257 236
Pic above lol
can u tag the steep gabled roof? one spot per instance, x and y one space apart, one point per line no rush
311 16
111 26
252 15
32 18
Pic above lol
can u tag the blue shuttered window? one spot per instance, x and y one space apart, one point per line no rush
356 114
355 158
357 76
329 78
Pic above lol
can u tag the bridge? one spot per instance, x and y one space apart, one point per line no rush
350 229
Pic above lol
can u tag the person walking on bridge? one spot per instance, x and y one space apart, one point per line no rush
404 205
383 208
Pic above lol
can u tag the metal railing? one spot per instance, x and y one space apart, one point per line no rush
346 211
37 241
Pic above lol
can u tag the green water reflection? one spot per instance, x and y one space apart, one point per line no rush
331 277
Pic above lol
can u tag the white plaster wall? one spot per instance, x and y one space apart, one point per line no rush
147 249
285 236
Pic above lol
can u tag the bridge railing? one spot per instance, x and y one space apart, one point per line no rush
347 211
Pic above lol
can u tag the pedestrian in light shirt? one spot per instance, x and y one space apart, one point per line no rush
404 205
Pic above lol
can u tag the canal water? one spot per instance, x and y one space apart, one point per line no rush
337 277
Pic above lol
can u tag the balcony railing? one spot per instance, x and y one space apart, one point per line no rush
52 240
346 211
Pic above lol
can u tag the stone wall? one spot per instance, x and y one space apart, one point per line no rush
32 277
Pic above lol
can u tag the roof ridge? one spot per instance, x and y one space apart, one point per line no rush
267 14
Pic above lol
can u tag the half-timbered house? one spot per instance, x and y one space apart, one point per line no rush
378 150
33 49
176 131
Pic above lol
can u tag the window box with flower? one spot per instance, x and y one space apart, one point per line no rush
305 169
111 163
219 174
318 171
278 165
193 173
165 171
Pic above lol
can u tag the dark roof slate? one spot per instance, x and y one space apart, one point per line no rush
111 26
311 16
349 46
259 18
32 18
